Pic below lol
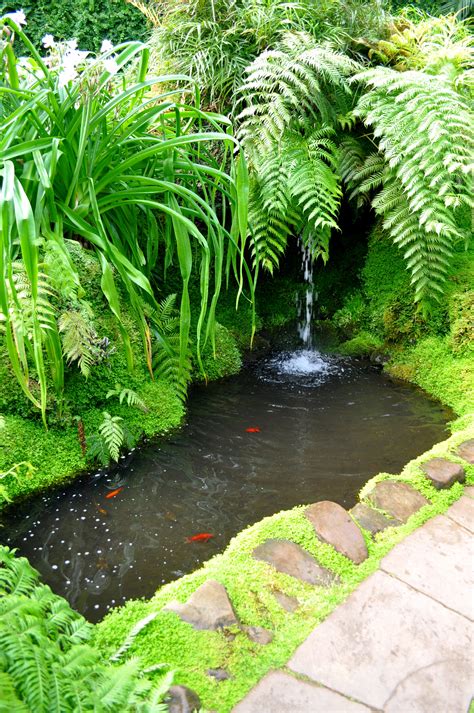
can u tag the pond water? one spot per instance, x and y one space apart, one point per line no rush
322 427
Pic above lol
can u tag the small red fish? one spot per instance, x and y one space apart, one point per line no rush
252 429
201 537
113 493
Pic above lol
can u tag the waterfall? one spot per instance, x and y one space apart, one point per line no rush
305 302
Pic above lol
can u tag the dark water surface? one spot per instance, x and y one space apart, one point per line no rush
326 426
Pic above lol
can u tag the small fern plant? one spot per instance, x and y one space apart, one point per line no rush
47 663
128 396
112 436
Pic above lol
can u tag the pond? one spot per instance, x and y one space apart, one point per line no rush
320 427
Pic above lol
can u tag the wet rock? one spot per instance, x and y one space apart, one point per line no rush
208 608
289 604
182 700
372 520
258 634
290 558
399 499
466 451
333 525
443 473
220 674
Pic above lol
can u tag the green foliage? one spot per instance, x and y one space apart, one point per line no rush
462 323
292 98
92 151
128 395
222 360
89 21
215 40
47 663
113 435
79 339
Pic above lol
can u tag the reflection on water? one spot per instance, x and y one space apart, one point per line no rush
323 433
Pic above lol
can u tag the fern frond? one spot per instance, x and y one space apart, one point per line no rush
425 132
79 337
111 430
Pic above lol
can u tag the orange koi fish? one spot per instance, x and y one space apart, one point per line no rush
113 493
201 537
252 429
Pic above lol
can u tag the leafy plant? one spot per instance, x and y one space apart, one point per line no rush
93 150
46 662
293 97
113 435
80 340
424 129
127 395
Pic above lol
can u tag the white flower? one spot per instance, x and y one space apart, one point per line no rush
71 45
111 66
18 17
74 57
48 41
68 74
106 46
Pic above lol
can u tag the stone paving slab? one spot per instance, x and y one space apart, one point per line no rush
437 559
469 491
384 634
278 692
462 512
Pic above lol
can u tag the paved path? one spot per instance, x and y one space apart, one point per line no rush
403 642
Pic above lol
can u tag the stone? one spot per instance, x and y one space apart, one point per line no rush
278 692
208 607
290 558
433 560
181 699
384 633
289 604
398 499
443 473
334 525
469 492
462 512
424 691
258 634
220 674
372 520
466 451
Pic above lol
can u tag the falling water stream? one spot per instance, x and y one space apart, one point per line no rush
322 425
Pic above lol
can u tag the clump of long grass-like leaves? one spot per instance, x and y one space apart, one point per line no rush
93 149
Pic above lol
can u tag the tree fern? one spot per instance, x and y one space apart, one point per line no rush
425 133
298 83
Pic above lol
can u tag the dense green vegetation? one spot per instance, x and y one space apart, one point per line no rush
149 189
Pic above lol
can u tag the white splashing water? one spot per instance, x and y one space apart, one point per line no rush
304 361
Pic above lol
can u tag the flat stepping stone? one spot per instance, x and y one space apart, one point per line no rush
334 526
208 607
258 634
443 473
371 519
435 560
290 558
399 499
383 634
466 451
218 674
289 604
462 512
280 693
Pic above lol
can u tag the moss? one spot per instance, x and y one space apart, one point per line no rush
226 359
432 365
364 344
251 584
